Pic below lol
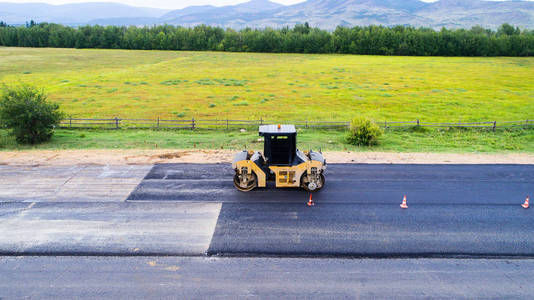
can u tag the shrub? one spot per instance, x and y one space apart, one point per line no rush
420 129
363 132
27 113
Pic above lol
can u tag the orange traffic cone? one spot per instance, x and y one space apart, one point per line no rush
403 204
310 202
526 204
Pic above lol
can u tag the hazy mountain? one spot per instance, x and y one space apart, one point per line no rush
326 5
450 13
138 21
77 13
468 13
326 14
331 13
212 15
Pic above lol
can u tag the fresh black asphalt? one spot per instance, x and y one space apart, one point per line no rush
373 230
349 183
454 210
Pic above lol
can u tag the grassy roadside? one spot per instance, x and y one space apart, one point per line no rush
408 140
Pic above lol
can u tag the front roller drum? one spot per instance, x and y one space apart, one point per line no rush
245 182
314 185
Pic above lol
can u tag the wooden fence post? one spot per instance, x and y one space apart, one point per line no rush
494 125
306 123
385 125
227 124
261 120
418 123
193 124
116 123
157 125
70 122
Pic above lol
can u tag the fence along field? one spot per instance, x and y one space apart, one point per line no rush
117 123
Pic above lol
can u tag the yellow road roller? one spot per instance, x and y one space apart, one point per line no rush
281 161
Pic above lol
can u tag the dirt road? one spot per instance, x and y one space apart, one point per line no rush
147 157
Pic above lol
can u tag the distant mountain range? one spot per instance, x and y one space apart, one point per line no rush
73 14
326 14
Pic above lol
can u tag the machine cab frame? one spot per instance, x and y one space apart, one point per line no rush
280 144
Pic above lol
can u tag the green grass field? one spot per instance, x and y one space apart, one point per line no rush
278 87
147 84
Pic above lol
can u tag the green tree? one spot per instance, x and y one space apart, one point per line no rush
377 40
507 29
25 111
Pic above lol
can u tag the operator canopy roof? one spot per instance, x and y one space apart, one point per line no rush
273 130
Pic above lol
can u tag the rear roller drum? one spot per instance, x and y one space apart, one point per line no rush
245 182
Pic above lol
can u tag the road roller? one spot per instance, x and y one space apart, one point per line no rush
280 162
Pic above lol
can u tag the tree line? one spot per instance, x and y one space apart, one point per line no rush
376 40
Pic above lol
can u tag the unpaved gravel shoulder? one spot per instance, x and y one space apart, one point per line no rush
146 157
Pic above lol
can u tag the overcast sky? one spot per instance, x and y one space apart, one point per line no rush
174 4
